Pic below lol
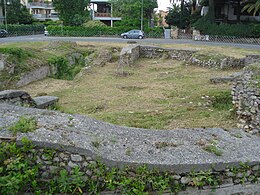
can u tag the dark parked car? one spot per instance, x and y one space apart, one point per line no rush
3 33
133 34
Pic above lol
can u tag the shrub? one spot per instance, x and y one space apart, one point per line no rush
24 29
238 30
98 31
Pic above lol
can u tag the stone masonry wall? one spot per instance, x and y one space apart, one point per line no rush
246 98
15 97
53 161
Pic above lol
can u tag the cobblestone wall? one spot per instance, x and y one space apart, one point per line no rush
16 97
157 52
53 161
246 98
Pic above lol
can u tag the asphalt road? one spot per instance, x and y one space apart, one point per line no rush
36 38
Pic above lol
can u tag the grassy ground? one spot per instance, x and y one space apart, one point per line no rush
158 94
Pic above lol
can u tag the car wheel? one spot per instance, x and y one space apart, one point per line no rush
140 37
124 36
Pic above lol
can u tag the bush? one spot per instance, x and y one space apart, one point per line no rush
24 29
98 31
238 30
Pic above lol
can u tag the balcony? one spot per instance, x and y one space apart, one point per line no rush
101 15
43 17
40 5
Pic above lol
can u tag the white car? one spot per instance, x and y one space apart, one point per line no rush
46 33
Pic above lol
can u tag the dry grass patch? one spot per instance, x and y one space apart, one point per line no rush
160 94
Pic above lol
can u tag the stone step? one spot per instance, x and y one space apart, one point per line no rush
45 101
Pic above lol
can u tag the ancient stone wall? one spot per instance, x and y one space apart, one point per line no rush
129 55
246 98
158 52
53 161
15 97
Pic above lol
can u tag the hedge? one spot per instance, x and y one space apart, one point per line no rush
16 30
99 31
239 30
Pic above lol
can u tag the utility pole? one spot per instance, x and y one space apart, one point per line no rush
142 15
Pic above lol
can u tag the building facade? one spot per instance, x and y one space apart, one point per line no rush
102 10
41 10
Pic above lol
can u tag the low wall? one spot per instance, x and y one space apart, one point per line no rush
15 97
158 52
246 98
77 140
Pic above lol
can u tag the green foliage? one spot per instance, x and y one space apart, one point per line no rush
17 13
130 11
17 170
72 14
179 17
19 173
99 31
93 23
64 71
253 6
24 125
238 30
213 149
16 52
222 100
201 178
19 30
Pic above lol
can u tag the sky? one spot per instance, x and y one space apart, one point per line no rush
163 4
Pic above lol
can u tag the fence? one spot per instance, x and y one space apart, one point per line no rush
90 33
227 39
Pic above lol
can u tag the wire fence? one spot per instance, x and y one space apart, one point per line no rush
70 33
228 39
21 33
151 34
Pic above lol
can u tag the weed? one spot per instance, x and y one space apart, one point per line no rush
128 151
96 143
160 145
64 71
213 149
201 178
24 125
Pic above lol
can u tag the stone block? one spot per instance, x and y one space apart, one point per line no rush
45 101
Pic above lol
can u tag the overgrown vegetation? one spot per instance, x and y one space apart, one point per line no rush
222 100
64 71
20 173
24 125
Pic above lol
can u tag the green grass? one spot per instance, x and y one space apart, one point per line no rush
147 98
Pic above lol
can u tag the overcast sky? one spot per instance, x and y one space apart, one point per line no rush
163 4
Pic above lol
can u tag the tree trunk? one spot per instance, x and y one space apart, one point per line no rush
211 13
238 11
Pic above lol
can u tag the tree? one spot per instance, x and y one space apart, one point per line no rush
252 6
179 16
17 13
130 11
72 13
